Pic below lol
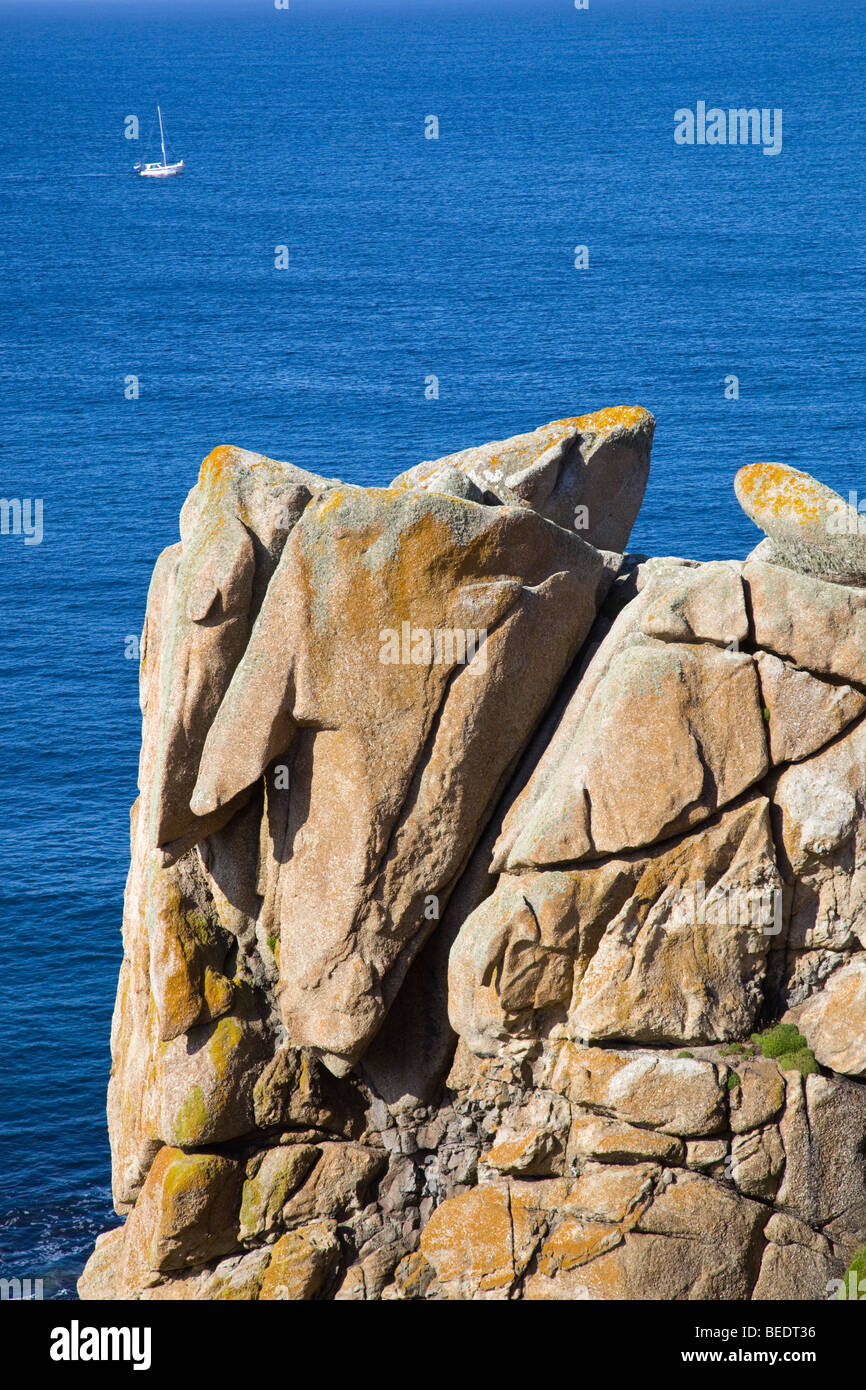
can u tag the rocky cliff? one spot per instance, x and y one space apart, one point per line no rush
496 919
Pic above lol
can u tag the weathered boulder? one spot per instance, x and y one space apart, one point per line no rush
671 733
810 527
824 1182
757 1161
795 1273
833 1020
200 611
337 1184
191 958
396 744
480 1242
695 1240
532 1137
618 626
101 1276
614 1141
819 625
237 1279
759 1097
271 1179
803 713
588 473
677 1095
665 946
187 1213
819 808
301 1263
701 604
686 962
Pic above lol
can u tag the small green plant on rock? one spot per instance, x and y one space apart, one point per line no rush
803 1061
786 1045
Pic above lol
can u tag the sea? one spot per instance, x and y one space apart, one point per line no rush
372 259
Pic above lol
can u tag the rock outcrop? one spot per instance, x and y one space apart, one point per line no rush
496 919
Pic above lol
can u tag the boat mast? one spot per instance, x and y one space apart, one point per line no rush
161 137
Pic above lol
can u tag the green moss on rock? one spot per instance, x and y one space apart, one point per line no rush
781 1039
803 1061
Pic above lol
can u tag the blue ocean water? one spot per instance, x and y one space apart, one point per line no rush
408 258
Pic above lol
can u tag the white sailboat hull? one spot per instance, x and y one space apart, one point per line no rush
160 171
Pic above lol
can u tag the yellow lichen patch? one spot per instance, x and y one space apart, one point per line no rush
575 1243
261 462
518 1153
218 992
412 1275
301 1263
226 1037
774 491
192 1117
611 418
497 459
469 1237
304 1080
186 948
330 503
481 1240
181 1174
216 470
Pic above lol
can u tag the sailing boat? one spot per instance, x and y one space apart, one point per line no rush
163 170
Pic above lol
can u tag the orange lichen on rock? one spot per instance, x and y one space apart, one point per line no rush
575 1243
480 1241
596 465
810 527
775 490
611 418
216 466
